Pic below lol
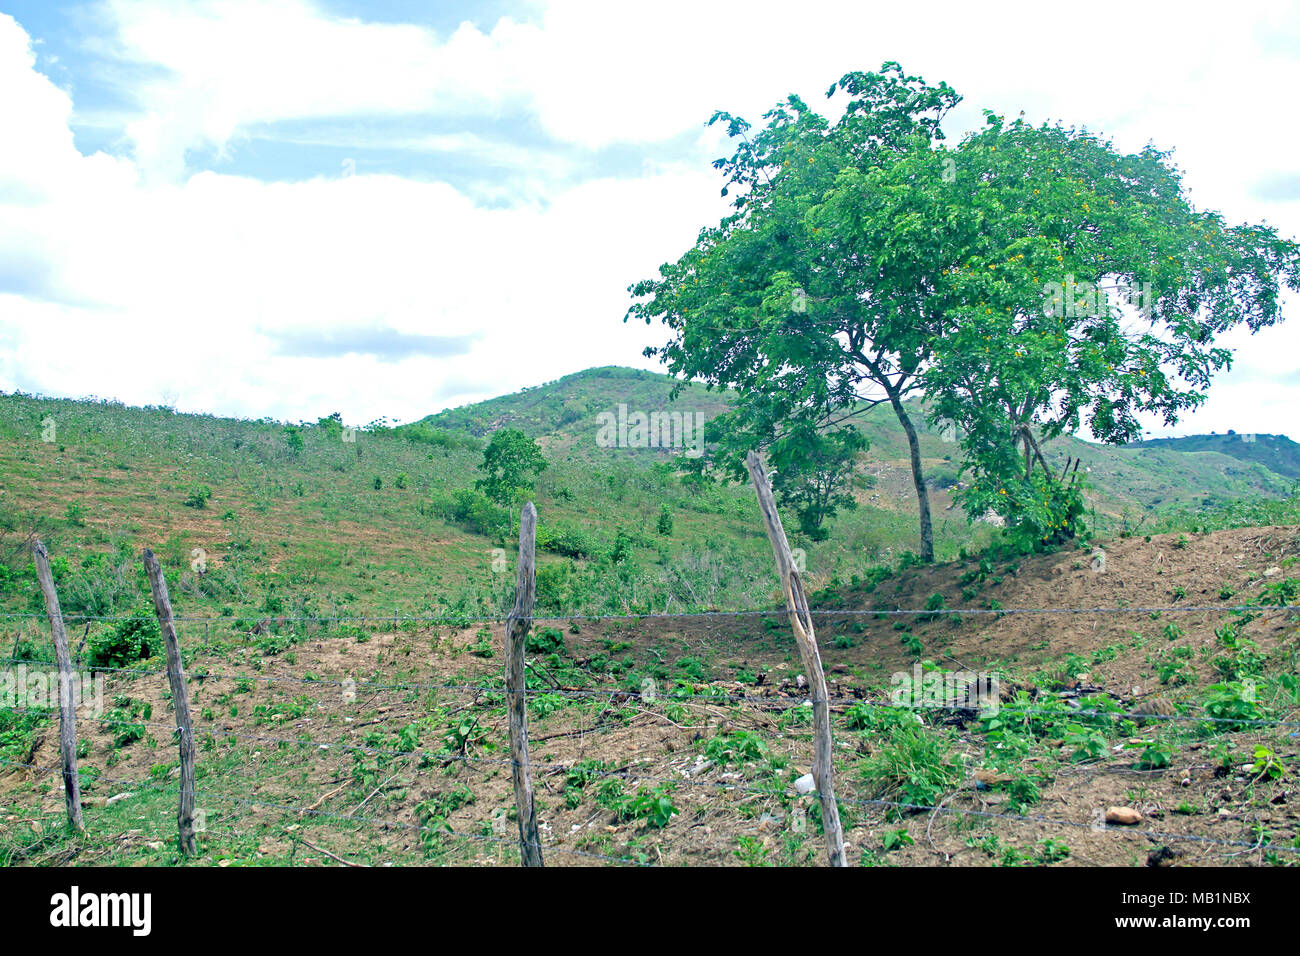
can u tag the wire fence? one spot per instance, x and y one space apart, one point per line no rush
776 701
238 780
455 620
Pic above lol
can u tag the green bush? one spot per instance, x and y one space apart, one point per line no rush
913 765
100 584
198 497
568 540
549 640
556 584
444 438
472 510
127 642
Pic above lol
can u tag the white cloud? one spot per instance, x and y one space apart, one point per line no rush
133 276
184 286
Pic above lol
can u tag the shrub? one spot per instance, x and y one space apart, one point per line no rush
653 807
444 438
913 765
549 640
101 584
472 510
555 585
1232 706
737 747
198 497
568 540
127 642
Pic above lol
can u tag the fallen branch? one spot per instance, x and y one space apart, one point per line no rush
332 856
332 793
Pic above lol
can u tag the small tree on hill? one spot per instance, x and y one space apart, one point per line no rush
511 463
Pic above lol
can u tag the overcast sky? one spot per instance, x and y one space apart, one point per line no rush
290 208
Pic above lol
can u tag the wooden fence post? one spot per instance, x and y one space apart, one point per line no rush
801 621
180 700
517 625
67 712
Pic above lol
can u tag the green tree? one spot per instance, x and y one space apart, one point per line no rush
1089 290
331 426
510 464
665 523
810 472
816 300
867 261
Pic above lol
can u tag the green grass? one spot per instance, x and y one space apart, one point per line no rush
302 521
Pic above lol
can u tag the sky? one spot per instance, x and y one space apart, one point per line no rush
289 208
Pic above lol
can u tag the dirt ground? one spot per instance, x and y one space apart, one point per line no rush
335 750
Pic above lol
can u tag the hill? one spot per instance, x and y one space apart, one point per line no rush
1126 482
322 519
1278 453
348 701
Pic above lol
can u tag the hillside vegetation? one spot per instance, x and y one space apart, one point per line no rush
1277 453
320 519
657 740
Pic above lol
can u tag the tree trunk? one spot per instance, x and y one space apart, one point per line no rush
918 477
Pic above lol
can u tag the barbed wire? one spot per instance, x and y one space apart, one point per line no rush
305 741
698 699
457 620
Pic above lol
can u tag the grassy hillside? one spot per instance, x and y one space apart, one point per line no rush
1277 453
1125 482
263 525
346 527
325 521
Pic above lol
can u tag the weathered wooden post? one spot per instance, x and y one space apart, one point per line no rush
801 621
67 710
517 625
180 700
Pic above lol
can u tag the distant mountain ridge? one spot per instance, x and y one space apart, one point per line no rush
1201 471
1277 453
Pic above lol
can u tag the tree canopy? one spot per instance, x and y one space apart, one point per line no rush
867 261
511 462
